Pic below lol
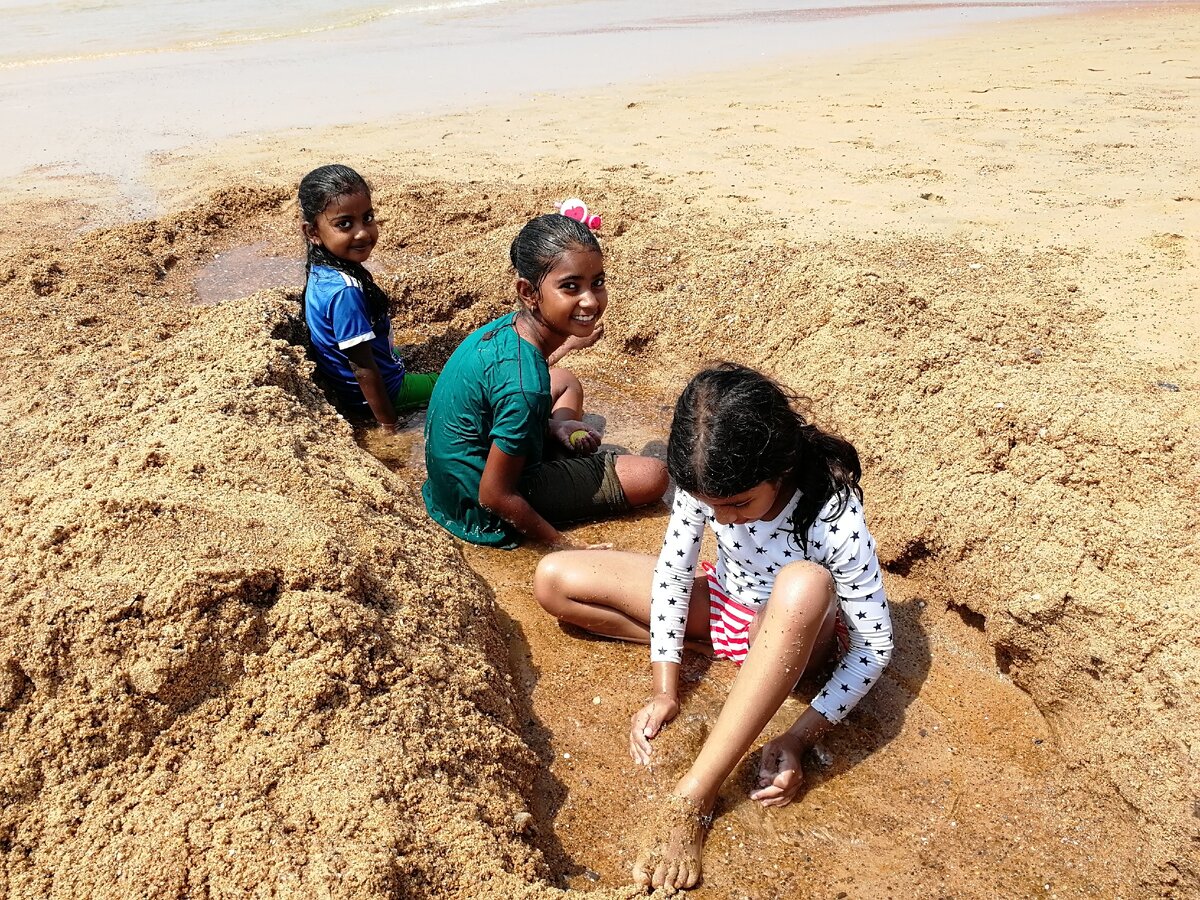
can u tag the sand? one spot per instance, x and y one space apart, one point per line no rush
236 659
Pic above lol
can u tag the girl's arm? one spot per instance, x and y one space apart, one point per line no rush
670 599
498 492
370 379
662 707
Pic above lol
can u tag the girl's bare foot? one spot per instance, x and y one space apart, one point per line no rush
670 856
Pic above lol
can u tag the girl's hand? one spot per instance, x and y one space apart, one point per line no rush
586 439
780 774
579 343
567 544
647 723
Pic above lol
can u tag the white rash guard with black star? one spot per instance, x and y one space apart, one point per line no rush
748 559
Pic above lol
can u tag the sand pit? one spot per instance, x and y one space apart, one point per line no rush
235 658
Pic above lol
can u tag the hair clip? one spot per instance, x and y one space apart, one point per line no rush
576 209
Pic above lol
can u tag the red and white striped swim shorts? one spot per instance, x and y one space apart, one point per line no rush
729 622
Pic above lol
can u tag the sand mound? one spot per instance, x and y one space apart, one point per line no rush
234 653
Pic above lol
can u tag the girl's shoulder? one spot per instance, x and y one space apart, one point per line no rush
335 278
842 504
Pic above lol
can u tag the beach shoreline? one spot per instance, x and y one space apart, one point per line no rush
96 121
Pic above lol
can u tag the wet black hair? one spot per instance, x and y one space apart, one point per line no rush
735 428
318 189
540 244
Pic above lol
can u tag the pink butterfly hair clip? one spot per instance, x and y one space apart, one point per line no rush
576 209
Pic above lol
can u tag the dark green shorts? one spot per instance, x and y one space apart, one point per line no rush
574 488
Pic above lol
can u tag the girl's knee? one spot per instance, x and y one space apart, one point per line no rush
556 581
644 479
548 583
563 381
804 587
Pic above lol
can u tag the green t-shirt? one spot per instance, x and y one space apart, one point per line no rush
495 388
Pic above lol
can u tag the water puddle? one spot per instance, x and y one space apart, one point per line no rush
968 779
240 272
629 424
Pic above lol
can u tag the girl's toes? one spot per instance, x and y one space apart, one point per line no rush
673 880
641 877
660 875
689 874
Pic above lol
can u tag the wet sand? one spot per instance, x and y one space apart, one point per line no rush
236 654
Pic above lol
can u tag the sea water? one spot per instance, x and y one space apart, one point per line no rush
92 87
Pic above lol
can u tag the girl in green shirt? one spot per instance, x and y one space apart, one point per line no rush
491 478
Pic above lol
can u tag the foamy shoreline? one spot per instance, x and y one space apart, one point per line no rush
100 116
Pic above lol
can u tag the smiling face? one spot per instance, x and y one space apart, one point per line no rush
762 502
572 296
346 227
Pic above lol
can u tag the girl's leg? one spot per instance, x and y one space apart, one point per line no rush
644 479
799 617
607 592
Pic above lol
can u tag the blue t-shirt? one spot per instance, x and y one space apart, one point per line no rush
495 388
338 319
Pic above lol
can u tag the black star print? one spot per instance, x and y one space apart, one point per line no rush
866 681
824 693
854 537
864 660
833 529
770 569
860 615
675 533
870 546
670 634
679 553
751 530
866 566
841 709
841 667
662 618
696 539
875 577
774 535
845 687
760 550
816 544
737 546
853 510
878 626
884 604
662 584
787 553
670 601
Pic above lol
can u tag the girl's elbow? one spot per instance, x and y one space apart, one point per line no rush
492 500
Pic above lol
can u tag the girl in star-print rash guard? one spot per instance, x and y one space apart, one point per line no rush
796 579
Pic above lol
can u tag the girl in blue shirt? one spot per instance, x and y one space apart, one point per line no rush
346 311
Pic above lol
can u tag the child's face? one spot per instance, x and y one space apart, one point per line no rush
346 227
572 297
754 505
